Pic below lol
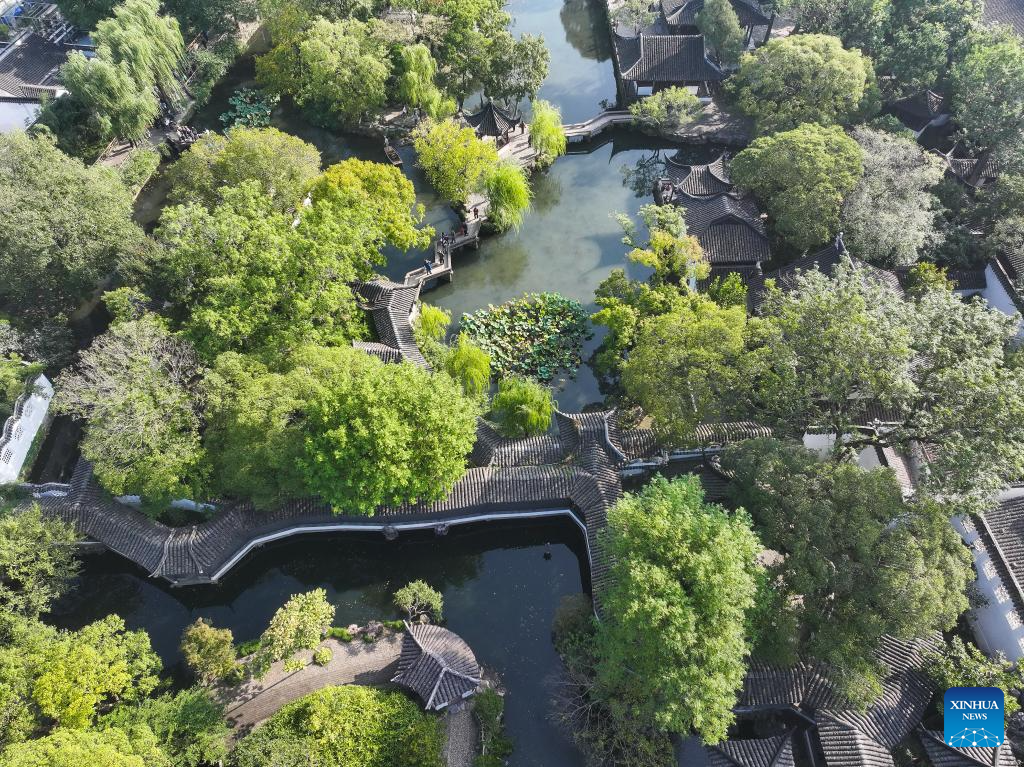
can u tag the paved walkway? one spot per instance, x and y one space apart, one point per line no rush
461 736
355 662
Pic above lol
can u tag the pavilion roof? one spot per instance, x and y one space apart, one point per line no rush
492 120
729 229
700 180
437 665
754 752
683 13
665 59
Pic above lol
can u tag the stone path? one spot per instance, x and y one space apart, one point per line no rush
355 662
461 736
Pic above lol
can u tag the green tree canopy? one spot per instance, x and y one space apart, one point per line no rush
63 226
419 598
546 134
142 43
350 725
858 562
335 70
113 104
720 25
804 79
73 748
516 68
284 166
858 23
508 192
208 651
890 216
683 575
962 664
801 176
37 560
470 365
214 17
667 111
635 14
417 86
673 254
987 89
135 387
522 408
455 161
84 14
299 624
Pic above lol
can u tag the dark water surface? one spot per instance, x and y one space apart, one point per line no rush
501 586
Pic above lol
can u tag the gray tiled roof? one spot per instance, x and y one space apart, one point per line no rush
1006 12
684 12
845 746
699 180
920 109
665 59
492 120
941 755
753 752
437 665
730 229
29 66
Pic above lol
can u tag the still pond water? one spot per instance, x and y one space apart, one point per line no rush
503 583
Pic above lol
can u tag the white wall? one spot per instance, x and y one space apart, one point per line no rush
24 429
997 297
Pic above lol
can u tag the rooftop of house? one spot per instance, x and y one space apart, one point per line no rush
699 180
492 120
29 67
1009 12
729 228
665 59
437 665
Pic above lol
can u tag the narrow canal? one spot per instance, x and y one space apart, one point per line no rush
502 584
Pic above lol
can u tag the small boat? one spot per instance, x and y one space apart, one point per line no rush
393 156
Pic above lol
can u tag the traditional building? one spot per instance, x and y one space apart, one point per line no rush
648 63
437 665
681 16
493 121
921 111
1009 12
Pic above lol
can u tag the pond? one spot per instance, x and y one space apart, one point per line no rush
501 586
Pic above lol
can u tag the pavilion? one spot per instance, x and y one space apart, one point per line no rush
437 665
648 63
493 121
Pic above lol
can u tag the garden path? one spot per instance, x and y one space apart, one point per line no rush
355 662
461 736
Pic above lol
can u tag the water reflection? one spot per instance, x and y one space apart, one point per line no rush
586 28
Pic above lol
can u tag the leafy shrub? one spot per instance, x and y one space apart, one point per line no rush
247 648
139 167
667 111
395 625
418 598
468 364
250 108
534 336
210 66
322 656
489 708
299 624
381 729
429 330
294 664
369 638
339 633
522 408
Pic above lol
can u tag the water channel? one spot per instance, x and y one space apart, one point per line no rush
501 584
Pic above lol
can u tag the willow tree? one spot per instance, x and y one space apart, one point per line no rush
546 133
508 192
416 83
144 44
115 102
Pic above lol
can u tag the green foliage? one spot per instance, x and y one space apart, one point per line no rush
125 304
208 66
250 108
489 708
720 25
962 664
394 625
339 633
925 277
804 79
863 562
340 726
300 624
522 407
674 255
728 291
293 664
508 192
245 649
836 346
337 71
135 388
418 598
322 656
16 376
82 670
431 325
683 361
84 14
74 125
533 336
283 165
73 748
546 134
454 160
37 561
416 83
113 104
801 176
987 97
515 68
671 648
667 111
385 434
188 725
139 168
890 216
215 17
63 227
208 651
470 365
140 42
635 14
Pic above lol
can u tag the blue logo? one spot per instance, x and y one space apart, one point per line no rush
973 717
